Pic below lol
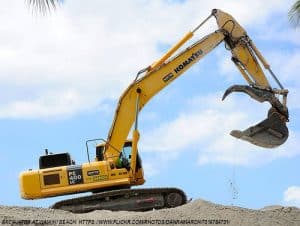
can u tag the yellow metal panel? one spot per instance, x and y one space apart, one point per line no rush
119 174
29 182
139 177
83 187
59 172
227 22
241 51
94 172
251 65
95 176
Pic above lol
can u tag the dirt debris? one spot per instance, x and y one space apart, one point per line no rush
198 212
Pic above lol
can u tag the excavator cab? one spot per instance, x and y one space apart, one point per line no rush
125 156
124 160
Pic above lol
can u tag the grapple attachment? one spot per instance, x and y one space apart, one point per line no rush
270 132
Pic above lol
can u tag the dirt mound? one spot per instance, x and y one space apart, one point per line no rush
198 212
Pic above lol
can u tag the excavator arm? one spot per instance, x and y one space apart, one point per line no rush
269 133
272 131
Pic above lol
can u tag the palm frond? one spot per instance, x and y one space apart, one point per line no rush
42 6
294 14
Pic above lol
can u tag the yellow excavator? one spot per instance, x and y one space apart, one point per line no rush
117 165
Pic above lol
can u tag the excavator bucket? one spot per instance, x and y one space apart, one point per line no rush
270 132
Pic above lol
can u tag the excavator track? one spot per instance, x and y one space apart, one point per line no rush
125 199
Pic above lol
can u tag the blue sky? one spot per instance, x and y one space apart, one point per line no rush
61 77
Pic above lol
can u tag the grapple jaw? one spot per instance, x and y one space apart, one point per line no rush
270 132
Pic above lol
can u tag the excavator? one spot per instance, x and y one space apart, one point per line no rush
118 167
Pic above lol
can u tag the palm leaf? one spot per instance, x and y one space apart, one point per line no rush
42 6
294 14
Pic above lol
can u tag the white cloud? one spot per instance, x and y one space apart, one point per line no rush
205 131
48 105
93 49
150 168
292 196
228 150
285 65
288 66
274 32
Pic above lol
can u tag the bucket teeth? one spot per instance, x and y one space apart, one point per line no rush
270 132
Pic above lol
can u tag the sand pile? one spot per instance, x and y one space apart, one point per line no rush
198 212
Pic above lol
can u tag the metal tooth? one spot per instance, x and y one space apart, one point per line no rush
257 94
260 95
